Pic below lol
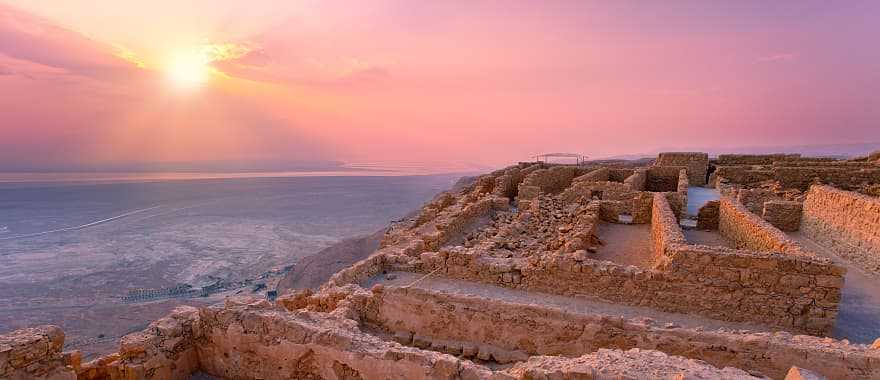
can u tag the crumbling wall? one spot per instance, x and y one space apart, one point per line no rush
787 291
707 217
166 349
784 215
665 232
697 164
749 231
744 174
601 174
753 199
638 180
511 331
846 222
842 177
507 184
361 270
642 208
619 175
754 159
604 190
663 178
34 353
258 341
551 180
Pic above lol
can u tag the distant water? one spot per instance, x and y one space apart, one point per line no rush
72 246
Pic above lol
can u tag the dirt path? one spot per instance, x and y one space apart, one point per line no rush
859 316
572 304
712 238
627 244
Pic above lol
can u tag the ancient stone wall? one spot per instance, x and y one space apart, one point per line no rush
166 349
551 180
643 205
619 175
846 222
744 174
663 178
604 190
825 162
795 291
697 164
638 180
507 183
266 343
514 331
749 231
753 199
601 174
254 339
784 215
841 177
665 232
787 291
34 353
362 270
707 217
754 159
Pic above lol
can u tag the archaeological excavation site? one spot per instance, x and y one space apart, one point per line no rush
680 267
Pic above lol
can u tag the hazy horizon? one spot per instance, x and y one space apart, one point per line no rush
338 168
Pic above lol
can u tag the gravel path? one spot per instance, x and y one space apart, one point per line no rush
582 305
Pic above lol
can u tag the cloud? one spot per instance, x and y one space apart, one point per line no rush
26 38
781 57
258 65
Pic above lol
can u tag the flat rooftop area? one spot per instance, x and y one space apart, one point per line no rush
582 305
859 316
626 244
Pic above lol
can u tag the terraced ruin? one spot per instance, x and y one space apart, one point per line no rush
542 271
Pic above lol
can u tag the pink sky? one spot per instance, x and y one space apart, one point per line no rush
446 82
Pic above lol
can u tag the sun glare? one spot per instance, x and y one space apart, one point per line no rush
188 70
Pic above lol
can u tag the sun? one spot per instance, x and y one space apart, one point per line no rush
188 69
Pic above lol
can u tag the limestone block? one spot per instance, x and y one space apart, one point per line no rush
707 217
784 215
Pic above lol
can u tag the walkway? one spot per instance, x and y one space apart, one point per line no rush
859 316
710 238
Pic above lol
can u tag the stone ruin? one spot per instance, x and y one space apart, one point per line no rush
520 275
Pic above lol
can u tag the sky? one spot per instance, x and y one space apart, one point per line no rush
117 83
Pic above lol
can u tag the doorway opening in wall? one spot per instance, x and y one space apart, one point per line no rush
709 172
